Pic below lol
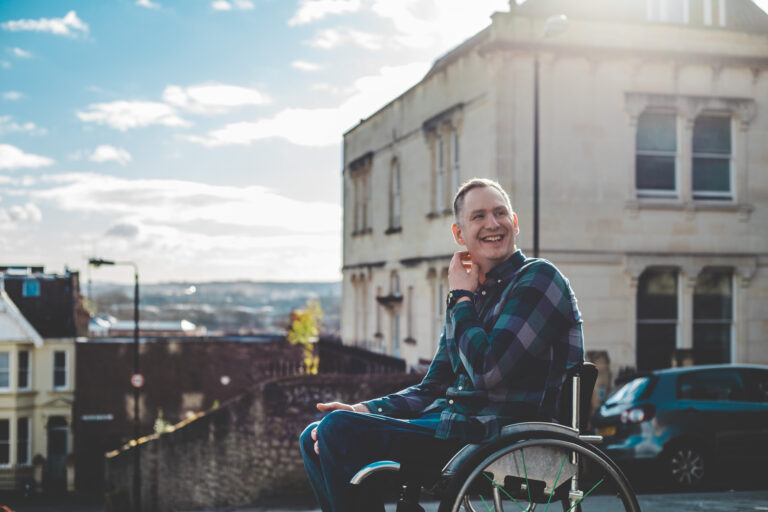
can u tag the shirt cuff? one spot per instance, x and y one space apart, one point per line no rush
380 406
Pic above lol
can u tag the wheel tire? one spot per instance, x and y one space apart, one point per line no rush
454 490
687 466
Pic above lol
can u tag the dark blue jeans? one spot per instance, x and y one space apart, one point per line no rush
348 441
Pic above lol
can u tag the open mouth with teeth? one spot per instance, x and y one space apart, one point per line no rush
492 238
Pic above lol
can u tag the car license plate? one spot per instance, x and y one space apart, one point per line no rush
607 431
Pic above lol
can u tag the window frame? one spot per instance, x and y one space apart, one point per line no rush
707 195
28 441
730 322
652 193
676 322
27 371
6 442
30 287
8 370
65 370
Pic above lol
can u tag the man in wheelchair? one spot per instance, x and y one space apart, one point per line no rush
512 332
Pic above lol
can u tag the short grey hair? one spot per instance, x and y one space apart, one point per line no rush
458 199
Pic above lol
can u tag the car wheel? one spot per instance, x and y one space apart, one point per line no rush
687 466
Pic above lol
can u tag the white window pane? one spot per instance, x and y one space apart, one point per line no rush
655 173
712 134
711 175
657 131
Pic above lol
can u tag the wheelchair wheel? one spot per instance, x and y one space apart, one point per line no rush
539 473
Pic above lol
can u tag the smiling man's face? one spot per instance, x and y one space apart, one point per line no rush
487 227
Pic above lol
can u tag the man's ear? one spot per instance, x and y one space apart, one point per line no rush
514 221
457 235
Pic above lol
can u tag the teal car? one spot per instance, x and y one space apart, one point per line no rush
683 424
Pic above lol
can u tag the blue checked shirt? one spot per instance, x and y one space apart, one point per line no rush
502 358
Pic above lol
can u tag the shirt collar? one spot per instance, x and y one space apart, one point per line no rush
507 268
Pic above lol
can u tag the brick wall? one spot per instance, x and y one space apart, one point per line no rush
245 450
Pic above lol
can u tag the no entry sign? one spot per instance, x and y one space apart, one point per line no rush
137 380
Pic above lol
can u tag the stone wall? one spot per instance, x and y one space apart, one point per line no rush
245 450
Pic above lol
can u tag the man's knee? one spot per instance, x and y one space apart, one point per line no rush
336 423
305 439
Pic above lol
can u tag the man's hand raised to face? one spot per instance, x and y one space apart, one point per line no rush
463 273
336 406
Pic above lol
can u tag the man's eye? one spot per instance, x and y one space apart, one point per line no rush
478 216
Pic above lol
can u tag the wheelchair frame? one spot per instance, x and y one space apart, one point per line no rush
545 444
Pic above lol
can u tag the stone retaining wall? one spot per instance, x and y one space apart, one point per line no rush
245 450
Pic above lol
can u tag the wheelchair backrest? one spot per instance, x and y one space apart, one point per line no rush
583 377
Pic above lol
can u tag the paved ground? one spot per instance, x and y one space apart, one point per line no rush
724 501
747 501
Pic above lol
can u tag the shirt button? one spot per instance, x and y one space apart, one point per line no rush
483 292
499 281
450 402
461 387
381 410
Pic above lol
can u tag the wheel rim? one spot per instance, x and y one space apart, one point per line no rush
687 466
615 491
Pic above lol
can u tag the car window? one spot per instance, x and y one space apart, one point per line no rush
715 385
757 384
629 392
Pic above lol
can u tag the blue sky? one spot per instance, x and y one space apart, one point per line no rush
199 138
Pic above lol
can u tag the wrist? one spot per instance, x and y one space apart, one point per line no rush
459 295
360 408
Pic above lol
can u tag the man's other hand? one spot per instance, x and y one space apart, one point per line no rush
335 406
463 273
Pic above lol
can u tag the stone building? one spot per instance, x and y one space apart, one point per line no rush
653 172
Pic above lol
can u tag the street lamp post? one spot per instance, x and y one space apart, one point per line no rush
97 262
553 26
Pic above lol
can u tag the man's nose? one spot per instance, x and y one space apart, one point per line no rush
491 221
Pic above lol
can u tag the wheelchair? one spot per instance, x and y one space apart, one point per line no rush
529 464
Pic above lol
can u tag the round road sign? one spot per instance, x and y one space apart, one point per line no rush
137 380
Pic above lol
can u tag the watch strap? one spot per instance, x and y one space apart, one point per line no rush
455 295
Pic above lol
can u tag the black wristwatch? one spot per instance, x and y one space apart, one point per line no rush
455 295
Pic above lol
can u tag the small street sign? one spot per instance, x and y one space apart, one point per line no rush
137 380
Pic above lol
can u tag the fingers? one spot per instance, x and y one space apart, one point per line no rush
317 447
313 434
333 406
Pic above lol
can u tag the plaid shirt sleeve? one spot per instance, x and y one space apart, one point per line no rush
537 310
412 400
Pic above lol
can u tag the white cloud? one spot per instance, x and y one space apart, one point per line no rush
314 10
5 64
332 89
12 157
221 5
123 115
422 23
322 126
149 4
8 125
330 38
107 153
18 213
20 53
69 25
12 95
213 98
178 202
240 5
303 65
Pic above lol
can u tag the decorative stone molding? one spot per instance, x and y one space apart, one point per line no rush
690 265
690 106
